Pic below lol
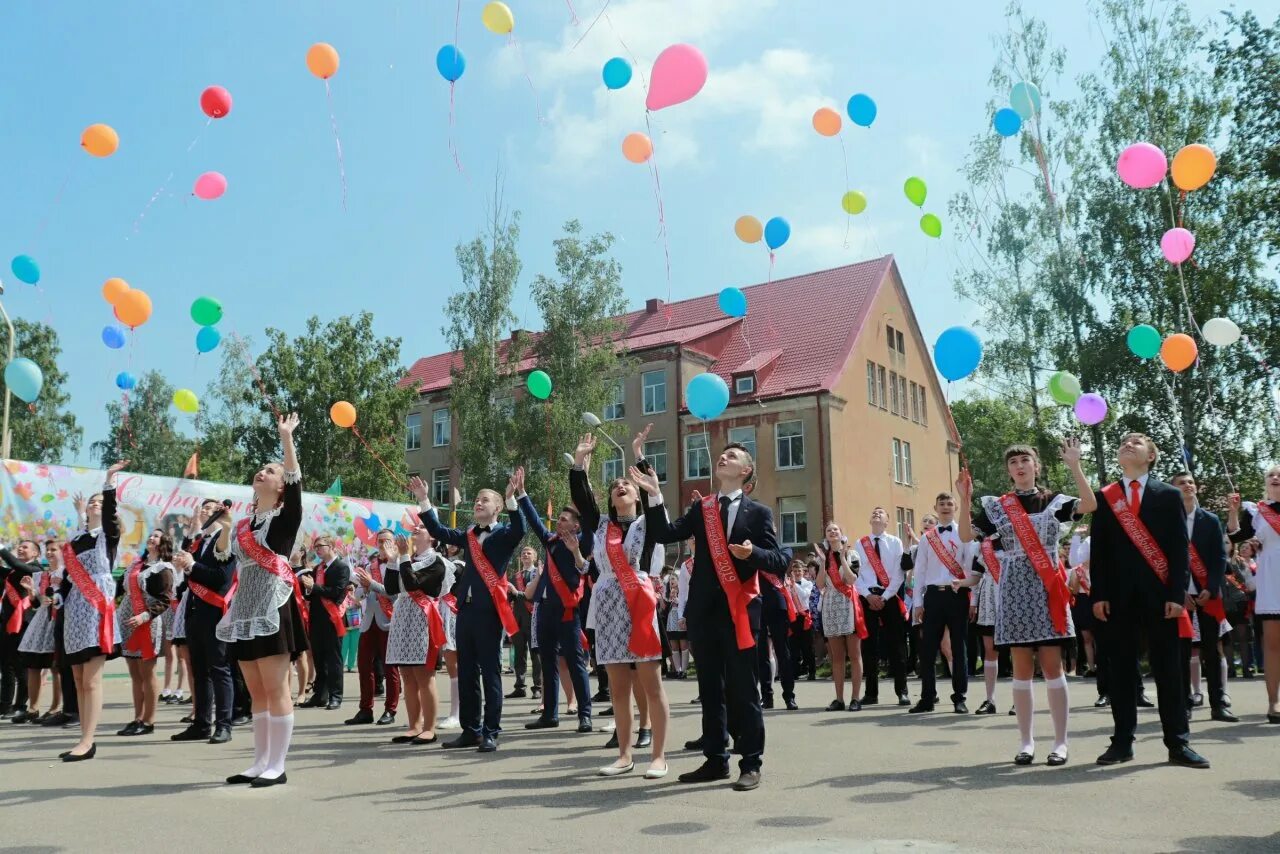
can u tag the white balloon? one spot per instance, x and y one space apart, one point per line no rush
1221 332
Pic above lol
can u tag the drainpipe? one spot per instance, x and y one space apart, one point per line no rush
822 462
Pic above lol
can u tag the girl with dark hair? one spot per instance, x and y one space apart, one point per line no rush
1261 522
145 590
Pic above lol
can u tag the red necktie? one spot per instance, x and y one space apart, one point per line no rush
1135 495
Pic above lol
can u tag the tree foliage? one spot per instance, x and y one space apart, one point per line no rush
44 431
143 430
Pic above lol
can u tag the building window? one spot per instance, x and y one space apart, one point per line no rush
790 435
413 431
924 413
871 382
880 386
888 336
744 385
655 391
893 393
794 521
911 519
440 428
902 343
616 408
906 463
902 396
697 456
612 469
506 406
656 453
744 436
897 461
915 403
413 498
902 522
440 487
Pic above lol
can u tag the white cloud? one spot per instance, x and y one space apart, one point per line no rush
818 245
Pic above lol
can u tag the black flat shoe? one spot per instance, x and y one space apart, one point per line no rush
1144 702
420 740
836 706
855 706
263 782
612 743
140 729
960 708
695 744
1273 718
488 744
1187 758
1057 759
387 718
238 779
191 733
1024 758
920 708
644 737
766 703
870 701
130 728
1102 702
464 740
189 719
221 735
88 754
584 725
708 772
543 723
1115 755
1224 716
361 717
791 705
987 708
403 739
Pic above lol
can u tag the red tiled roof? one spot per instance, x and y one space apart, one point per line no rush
757 362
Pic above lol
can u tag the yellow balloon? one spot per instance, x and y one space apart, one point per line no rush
854 202
497 18
748 229
1193 166
100 140
186 401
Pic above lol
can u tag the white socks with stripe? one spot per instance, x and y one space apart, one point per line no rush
1195 674
453 697
261 745
990 670
1024 707
1222 668
1058 708
281 729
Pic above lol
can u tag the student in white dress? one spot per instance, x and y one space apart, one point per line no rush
39 644
842 619
1261 521
416 634
147 590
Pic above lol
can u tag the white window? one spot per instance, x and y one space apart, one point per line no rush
902 396
655 452
790 440
902 344
924 413
915 402
871 382
744 436
654 384
794 521
744 385
902 522
440 496
880 386
506 406
897 461
440 428
697 456
613 466
893 393
911 521
906 463
413 431
616 408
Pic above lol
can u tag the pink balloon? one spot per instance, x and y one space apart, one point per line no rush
679 73
1142 165
1091 408
210 185
1177 245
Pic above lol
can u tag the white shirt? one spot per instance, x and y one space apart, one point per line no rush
1079 552
931 571
890 556
370 611
805 586
735 500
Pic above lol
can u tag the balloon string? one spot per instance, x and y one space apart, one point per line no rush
257 377
657 193
591 27
53 206
771 259
395 477
848 218
453 147
573 16
644 84
333 121
524 68
137 223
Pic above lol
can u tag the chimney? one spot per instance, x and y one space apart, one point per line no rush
652 306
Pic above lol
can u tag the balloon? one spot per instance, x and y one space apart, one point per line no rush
497 18
862 110
126 381
207 339
707 396
26 269
1221 332
733 302
322 60
637 148
1144 341
931 225
113 337
854 202
826 121
916 191
215 102
1177 245
539 385
1025 100
617 73
186 401
1142 165
343 414
957 353
206 311
100 140
678 74
776 232
24 379
1091 408
1064 388
1007 122
210 186
134 308
113 290
748 229
1178 352
1193 166
450 62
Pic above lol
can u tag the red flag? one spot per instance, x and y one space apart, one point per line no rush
193 466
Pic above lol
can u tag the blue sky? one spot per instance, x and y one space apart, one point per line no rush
279 246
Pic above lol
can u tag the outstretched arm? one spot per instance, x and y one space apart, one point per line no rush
450 536
532 519
580 484
662 529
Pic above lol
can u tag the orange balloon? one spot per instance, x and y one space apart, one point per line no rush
637 148
322 59
826 121
1193 166
343 414
100 140
114 289
1178 352
748 229
133 308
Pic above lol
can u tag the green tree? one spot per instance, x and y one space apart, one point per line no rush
989 426
144 431
229 410
44 431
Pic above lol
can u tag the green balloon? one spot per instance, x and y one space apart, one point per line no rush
931 225
1064 388
206 311
1144 341
539 385
854 202
916 191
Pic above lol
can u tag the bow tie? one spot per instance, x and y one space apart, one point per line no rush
942 529
481 529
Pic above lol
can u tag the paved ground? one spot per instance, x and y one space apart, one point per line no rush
875 781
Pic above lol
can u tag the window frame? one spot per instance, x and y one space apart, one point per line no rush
436 422
749 379
881 382
897 460
619 401
777 445
413 431
614 457
908 474
783 513
749 445
652 454
448 488
871 382
644 391
690 471
894 407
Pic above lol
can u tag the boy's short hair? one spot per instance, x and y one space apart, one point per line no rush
944 496
751 461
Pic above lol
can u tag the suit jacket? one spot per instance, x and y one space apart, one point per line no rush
12 571
498 547
1206 536
212 573
337 578
1116 567
551 608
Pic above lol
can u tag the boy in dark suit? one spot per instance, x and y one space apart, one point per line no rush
326 590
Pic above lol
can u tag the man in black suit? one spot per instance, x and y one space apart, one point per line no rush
723 608
326 591
777 611
1139 567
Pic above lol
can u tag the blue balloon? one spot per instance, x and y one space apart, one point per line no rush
707 395
862 110
733 302
26 269
617 73
24 379
777 231
450 62
957 353
207 339
1007 122
113 337
126 381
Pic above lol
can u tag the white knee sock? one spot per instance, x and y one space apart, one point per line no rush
281 734
1222 668
261 745
990 670
1024 706
1195 674
677 658
453 697
1058 708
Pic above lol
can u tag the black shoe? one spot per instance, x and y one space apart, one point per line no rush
1144 702
904 700
766 703
72 722
362 717
584 726
612 743
960 708
56 719
708 772
332 706
467 739
1197 700
188 719
791 705
238 779
987 708
836 706
130 728
544 723
1224 716
696 700
88 754
695 744
1226 700
1102 702
644 737
417 739
195 732
1187 758
316 702
1024 758
221 735
812 677
1115 755
488 744
747 781
855 705
606 712
1057 760
263 782
536 693
241 720
143 729
386 718
600 696
920 708
22 716
516 694
870 700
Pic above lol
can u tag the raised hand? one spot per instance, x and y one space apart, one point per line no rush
364 578
182 561
287 424
81 504
647 481
117 466
1071 451
637 444
586 444
402 546
964 486
515 483
418 487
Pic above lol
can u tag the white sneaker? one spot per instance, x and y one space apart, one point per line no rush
449 723
609 727
616 770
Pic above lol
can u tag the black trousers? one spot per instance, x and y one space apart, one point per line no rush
326 648
1129 621
774 628
479 638
210 674
1210 660
522 642
557 638
886 638
70 700
944 608
13 676
241 701
802 658
728 683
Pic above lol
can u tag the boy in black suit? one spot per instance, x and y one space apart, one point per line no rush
327 590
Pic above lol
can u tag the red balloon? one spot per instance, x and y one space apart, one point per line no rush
215 101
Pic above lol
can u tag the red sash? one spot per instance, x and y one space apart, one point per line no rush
786 594
882 574
1082 578
207 596
20 604
944 554
570 599
736 591
105 607
1185 629
642 601
521 584
846 590
450 601
496 584
375 570
990 559
1055 582
1201 574
139 639
335 611
1272 517
1137 532
435 625
273 563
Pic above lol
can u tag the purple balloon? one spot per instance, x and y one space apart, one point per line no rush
1091 408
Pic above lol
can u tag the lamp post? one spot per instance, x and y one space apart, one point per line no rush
4 429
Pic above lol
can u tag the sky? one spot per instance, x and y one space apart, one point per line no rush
280 246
